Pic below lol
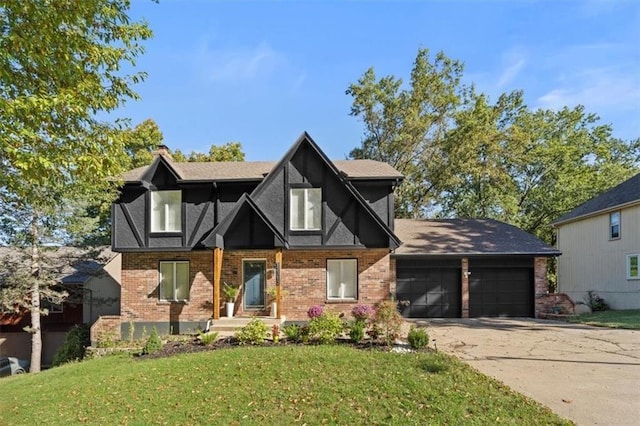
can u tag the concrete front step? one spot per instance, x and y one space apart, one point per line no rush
233 324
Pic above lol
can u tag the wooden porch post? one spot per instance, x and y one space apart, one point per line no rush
217 272
279 284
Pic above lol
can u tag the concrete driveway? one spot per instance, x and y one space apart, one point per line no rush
587 374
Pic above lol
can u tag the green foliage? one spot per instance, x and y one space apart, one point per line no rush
595 302
231 151
388 321
74 346
418 338
61 68
153 344
357 331
335 384
254 333
208 338
295 332
465 156
325 328
230 292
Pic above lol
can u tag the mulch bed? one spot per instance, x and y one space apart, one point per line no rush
194 346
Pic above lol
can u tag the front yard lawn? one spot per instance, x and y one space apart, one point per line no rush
629 318
268 385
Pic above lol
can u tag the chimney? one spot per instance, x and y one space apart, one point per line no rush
162 150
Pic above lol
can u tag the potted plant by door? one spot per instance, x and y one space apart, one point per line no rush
230 293
272 292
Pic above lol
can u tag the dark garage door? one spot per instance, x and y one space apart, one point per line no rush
432 292
497 292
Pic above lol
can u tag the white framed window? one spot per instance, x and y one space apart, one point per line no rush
174 281
633 266
306 209
342 279
614 225
166 211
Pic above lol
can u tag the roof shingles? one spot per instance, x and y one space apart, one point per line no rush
466 237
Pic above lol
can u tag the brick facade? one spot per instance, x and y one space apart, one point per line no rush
303 279
540 284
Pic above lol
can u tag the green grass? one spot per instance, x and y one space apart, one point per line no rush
268 385
629 318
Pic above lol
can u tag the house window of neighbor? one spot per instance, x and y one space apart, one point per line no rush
166 211
633 269
306 209
52 308
174 281
614 225
342 279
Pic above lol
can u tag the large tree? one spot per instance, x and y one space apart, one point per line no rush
464 156
231 151
404 125
60 65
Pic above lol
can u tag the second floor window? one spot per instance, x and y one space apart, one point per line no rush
614 225
306 209
166 211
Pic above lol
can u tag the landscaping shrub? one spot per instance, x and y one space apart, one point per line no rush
325 328
154 344
363 312
388 320
254 333
74 346
315 311
418 338
356 331
595 302
293 332
208 338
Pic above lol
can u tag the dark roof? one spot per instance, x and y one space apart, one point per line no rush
71 265
466 237
627 192
257 170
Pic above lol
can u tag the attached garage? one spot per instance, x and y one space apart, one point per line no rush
428 289
468 268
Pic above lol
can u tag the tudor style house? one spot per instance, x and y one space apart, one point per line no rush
318 232
600 240
321 230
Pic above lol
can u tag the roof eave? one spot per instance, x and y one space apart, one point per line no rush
596 213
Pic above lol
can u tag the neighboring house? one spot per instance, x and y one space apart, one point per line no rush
322 230
92 281
600 242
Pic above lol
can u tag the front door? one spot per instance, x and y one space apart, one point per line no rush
254 273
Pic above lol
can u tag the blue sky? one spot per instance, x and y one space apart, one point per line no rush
262 72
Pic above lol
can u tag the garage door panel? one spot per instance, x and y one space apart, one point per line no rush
501 292
403 285
431 291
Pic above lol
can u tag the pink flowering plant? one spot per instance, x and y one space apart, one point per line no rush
315 311
363 312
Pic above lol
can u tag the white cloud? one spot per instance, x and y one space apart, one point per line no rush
596 88
515 60
239 64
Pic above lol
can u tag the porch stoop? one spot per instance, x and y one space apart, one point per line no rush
227 325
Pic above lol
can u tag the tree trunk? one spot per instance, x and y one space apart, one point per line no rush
36 333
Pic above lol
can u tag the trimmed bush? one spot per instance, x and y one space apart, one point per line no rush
418 338
74 346
254 333
325 328
154 344
595 302
208 338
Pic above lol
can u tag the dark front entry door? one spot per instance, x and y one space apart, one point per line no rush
254 272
